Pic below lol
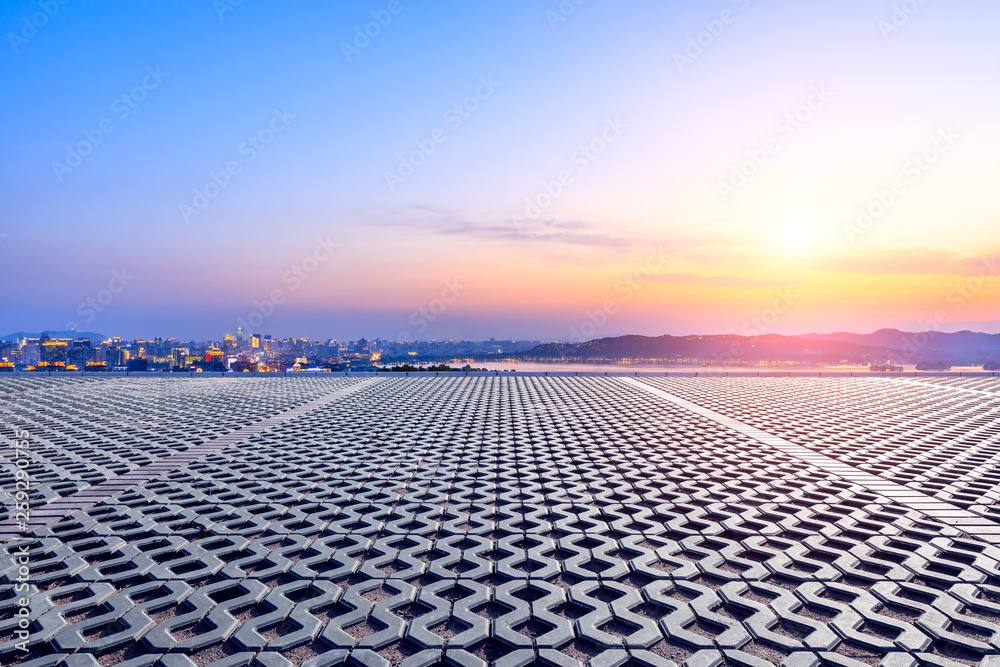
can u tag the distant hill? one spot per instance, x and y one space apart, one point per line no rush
961 342
964 348
56 334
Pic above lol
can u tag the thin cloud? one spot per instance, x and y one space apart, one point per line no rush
569 232
720 281
925 261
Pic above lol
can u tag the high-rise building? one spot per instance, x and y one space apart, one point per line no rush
239 336
137 364
255 341
53 351
79 353
116 356
179 355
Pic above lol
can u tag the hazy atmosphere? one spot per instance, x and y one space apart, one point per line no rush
473 170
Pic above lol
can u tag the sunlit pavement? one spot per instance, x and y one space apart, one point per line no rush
508 520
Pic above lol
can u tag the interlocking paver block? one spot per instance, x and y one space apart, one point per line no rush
512 520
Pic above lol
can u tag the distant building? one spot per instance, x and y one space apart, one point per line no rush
30 353
117 356
80 352
179 355
244 365
255 342
138 365
53 351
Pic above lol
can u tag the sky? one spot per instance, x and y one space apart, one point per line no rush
404 169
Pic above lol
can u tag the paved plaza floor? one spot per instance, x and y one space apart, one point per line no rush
509 520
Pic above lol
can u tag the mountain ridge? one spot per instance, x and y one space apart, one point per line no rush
959 348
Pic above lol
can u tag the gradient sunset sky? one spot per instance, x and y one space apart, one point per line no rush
839 97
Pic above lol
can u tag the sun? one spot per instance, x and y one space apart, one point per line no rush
796 235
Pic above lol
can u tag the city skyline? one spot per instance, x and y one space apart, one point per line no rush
523 171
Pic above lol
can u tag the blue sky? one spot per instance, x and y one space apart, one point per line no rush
345 122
